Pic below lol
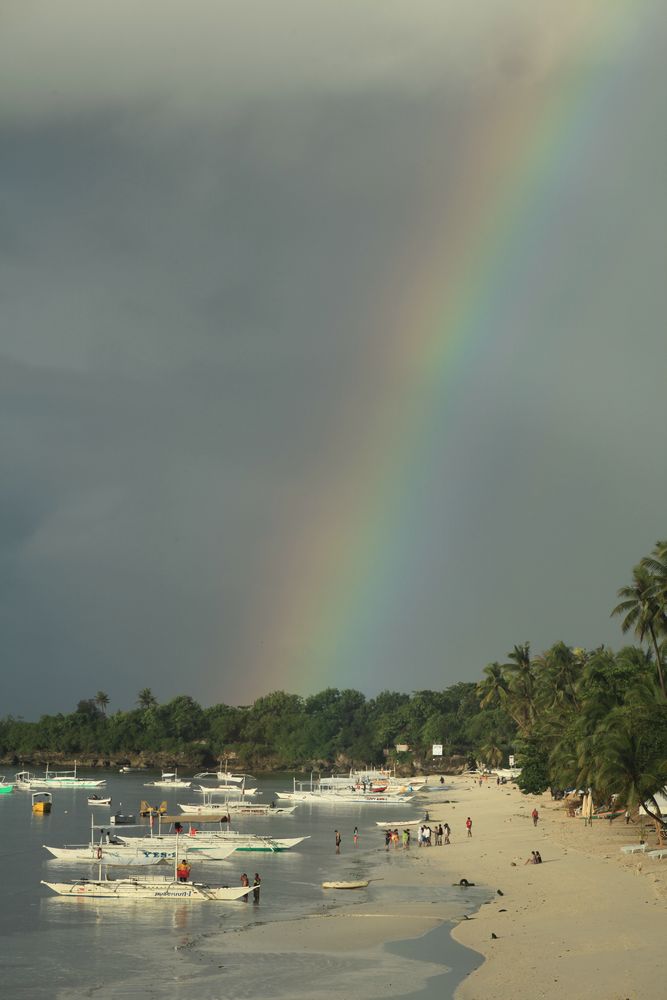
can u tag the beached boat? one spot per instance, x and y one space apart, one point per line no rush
391 825
361 884
98 800
169 779
147 887
5 787
55 779
321 793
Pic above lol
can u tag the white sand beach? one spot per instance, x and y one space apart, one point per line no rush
587 919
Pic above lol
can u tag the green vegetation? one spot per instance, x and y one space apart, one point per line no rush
572 717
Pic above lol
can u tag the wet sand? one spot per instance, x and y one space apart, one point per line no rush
588 918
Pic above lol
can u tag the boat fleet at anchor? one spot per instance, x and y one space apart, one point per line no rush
107 849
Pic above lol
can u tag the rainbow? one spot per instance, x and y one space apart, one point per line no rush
333 569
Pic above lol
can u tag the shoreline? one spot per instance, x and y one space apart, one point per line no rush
588 914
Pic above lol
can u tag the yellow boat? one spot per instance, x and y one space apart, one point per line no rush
41 803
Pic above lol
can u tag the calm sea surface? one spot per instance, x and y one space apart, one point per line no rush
51 947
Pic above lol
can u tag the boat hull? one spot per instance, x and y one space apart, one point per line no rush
119 855
163 889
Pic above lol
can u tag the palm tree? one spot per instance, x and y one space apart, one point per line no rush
521 693
492 690
630 761
102 699
643 612
560 672
491 753
146 699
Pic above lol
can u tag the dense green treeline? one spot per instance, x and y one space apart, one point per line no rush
279 729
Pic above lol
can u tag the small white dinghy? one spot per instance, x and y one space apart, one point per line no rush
360 884
97 800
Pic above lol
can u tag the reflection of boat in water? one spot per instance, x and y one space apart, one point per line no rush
147 887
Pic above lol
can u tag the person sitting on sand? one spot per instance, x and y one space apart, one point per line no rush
532 860
538 858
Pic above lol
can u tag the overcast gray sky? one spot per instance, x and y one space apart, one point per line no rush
232 241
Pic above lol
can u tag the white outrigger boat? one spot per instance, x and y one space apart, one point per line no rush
113 850
323 792
233 808
169 779
147 887
28 782
224 776
122 855
232 791
205 842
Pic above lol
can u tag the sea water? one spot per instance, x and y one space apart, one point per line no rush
52 946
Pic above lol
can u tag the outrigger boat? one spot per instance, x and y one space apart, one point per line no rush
148 887
204 842
169 779
113 850
323 792
235 791
55 779
234 806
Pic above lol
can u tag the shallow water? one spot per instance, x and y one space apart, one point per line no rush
53 946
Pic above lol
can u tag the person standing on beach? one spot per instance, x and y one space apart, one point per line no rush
355 836
256 883
245 881
535 816
469 826
338 840
446 830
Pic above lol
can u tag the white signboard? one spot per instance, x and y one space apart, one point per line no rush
511 760
437 749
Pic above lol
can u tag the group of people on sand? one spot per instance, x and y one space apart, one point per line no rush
534 859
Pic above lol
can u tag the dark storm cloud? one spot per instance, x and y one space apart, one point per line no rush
199 212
